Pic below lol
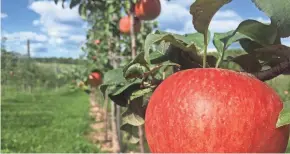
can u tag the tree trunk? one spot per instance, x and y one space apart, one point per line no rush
106 117
115 139
118 122
134 53
115 127
93 96
141 136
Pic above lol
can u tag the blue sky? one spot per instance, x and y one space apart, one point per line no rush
59 32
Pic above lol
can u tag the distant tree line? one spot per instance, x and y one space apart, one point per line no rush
62 60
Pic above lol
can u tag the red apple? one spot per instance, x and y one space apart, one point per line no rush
214 110
95 79
97 42
148 9
94 57
125 25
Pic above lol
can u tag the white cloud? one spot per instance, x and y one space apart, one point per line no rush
53 18
24 36
48 9
61 25
183 3
176 17
263 20
223 25
36 22
3 15
55 41
172 15
227 14
77 38
286 41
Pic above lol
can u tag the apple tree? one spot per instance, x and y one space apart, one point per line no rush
166 54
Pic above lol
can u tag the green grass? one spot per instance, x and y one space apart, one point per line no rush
46 122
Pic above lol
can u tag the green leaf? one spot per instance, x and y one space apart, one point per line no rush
222 41
150 40
132 118
175 40
114 77
249 46
158 57
249 29
132 131
202 12
73 3
278 12
139 59
120 94
284 116
185 59
140 92
135 71
262 33
248 62
163 46
197 39
83 10
135 113
125 87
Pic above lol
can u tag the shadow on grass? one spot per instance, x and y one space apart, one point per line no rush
12 100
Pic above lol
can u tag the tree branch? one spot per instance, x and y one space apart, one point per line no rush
273 72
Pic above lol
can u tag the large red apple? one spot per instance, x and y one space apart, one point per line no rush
95 79
214 110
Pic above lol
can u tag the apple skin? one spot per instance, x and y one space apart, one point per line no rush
125 24
94 57
214 110
148 9
97 42
95 79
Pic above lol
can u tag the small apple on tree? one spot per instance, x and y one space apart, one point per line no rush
124 25
95 79
97 42
94 57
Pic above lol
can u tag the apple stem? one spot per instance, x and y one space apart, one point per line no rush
221 58
205 51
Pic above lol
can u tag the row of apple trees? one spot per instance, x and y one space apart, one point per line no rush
107 48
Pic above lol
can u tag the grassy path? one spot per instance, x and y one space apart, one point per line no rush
48 122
